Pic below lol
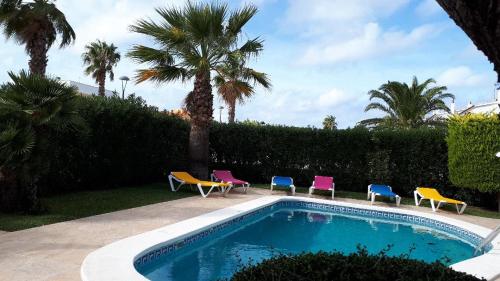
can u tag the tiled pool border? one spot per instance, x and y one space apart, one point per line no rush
466 235
134 251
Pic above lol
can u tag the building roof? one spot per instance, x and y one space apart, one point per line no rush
87 89
489 107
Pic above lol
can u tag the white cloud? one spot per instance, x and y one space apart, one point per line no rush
107 20
461 76
372 41
331 16
428 8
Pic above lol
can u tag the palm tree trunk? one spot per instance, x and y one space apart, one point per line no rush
199 106
232 111
9 191
102 82
37 50
498 201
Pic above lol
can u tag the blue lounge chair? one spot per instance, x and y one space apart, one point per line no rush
382 190
284 182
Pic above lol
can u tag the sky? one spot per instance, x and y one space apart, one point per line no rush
323 56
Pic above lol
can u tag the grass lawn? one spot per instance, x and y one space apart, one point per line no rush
88 203
470 210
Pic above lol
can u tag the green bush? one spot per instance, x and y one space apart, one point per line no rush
473 141
129 143
354 267
410 157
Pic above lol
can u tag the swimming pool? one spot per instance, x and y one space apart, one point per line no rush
214 245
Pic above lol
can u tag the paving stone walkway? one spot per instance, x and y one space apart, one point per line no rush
55 252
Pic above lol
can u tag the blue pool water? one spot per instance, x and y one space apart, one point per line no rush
295 230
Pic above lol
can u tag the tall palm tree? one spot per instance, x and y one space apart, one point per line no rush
193 42
32 109
100 59
407 106
235 82
36 25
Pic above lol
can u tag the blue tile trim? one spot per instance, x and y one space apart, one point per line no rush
468 236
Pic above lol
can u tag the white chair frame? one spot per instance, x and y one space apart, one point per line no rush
332 189
222 189
371 195
244 186
292 186
416 194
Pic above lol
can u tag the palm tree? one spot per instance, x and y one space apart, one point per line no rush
235 82
32 108
36 25
330 123
408 106
193 42
100 58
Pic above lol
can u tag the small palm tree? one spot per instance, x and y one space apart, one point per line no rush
32 108
408 106
235 82
100 59
330 123
36 25
193 42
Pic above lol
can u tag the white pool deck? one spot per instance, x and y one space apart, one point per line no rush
56 252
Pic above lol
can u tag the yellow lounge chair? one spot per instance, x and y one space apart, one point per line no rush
185 178
433 195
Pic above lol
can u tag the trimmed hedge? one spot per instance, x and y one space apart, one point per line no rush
130 143
409 157
473 141
127 143
354 267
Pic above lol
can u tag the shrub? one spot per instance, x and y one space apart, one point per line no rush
473 140
354 267
33 109
129 143
409 157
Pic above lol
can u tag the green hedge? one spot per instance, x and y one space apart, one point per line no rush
355 267
129 142
412 157
473 141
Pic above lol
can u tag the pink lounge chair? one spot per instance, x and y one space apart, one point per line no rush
323 183
226 177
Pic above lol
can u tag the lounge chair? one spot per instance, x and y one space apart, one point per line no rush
284 182
433 195
227 177
382 190
185 178
323 183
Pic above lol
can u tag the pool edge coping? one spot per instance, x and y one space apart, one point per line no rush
115 261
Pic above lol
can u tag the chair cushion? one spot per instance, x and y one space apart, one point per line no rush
383 190
324 183
282 181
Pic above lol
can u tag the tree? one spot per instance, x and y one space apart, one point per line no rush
100 59
235 82
32 109
408 106
330 123
194 41
36 25
480 20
